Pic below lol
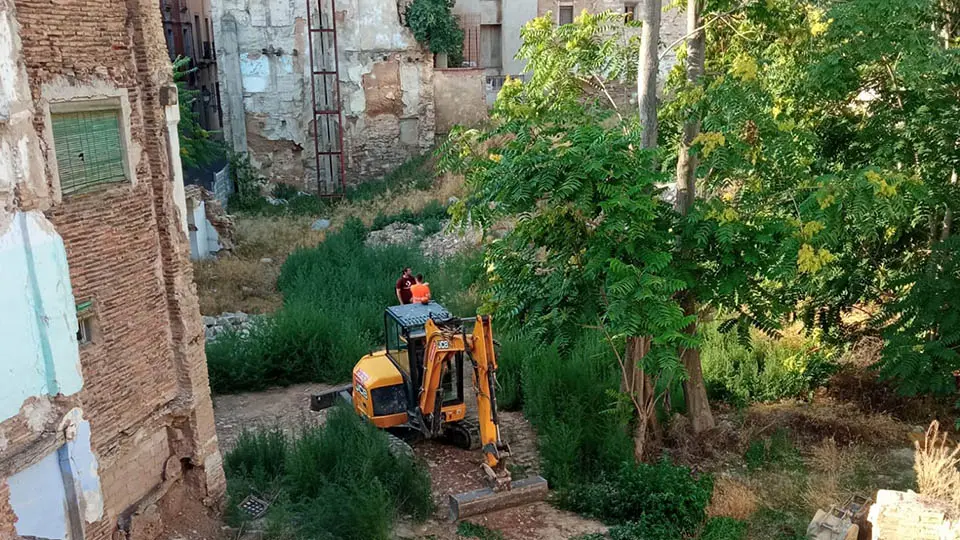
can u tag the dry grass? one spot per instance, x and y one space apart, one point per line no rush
732 498
832 468
936 464
826 418
241 282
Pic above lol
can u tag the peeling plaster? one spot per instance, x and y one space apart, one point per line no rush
38 321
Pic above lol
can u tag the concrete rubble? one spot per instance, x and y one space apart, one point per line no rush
238 322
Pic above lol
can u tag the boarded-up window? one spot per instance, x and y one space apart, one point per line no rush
490 56
89 152
566 14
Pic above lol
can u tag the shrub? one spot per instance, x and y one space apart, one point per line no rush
337 481
768 370
571 398
661 497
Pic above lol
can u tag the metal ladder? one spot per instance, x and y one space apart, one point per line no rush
325 95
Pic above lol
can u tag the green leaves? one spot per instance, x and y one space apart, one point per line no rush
433 24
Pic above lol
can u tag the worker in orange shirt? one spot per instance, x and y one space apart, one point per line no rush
420 291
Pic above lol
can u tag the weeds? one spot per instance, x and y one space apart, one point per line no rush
332 315
466 529
337 481
571 399
777 450
770 369
731 499
661 497
936 465
724 528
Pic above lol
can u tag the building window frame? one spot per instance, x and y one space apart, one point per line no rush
631 11
84 99
560 9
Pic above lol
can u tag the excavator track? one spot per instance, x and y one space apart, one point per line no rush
398 447
463 434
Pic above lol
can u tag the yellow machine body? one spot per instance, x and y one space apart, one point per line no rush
376 376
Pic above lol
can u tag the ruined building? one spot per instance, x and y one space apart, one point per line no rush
106 422
341 90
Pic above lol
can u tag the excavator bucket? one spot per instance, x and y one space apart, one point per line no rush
480 501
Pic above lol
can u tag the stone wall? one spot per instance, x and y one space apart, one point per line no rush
386 86
460 98
134 419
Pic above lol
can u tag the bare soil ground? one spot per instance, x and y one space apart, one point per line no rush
452 470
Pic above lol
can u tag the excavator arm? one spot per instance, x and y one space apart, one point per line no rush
484 361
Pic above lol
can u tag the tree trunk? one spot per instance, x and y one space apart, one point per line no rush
642 391
694 389
648 67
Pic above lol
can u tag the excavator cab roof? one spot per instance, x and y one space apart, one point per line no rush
413 316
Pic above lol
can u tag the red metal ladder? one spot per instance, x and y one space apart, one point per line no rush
325 94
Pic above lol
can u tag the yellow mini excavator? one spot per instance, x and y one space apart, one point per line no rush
416 385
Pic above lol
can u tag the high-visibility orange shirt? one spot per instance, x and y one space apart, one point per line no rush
420 293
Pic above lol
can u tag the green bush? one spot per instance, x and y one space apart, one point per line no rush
415 173
642 497
571 398
338 481
724 528
768 370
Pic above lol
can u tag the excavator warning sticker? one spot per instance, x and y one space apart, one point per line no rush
361 390
443 345
361 376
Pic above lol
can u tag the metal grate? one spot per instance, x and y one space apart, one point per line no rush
88 149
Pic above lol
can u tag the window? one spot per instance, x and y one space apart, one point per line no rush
85 323
565 15
630 12
490 56
88 148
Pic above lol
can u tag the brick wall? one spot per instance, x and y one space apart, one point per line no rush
145 389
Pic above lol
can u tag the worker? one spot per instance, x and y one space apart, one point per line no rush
420 291
403 286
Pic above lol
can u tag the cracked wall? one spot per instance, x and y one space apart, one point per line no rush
109 428
386 86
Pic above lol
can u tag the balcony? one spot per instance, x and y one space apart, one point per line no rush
208 53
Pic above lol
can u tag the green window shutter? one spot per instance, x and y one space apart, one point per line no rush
88 149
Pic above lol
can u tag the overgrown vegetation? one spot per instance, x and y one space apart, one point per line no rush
335 482
764 368
332 315
434 25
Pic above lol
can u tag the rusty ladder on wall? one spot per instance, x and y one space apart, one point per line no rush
325 91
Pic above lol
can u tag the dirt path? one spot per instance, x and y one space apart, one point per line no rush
452 470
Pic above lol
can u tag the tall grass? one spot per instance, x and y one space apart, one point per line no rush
571 399
768 369
338 481
334 296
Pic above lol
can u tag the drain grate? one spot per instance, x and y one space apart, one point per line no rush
254 506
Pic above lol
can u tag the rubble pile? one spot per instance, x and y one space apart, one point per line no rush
239 322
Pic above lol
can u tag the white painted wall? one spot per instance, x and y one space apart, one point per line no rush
38 322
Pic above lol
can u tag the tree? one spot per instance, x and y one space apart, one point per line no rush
694 389
197 146
648 67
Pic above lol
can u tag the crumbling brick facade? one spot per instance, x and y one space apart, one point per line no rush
144 396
